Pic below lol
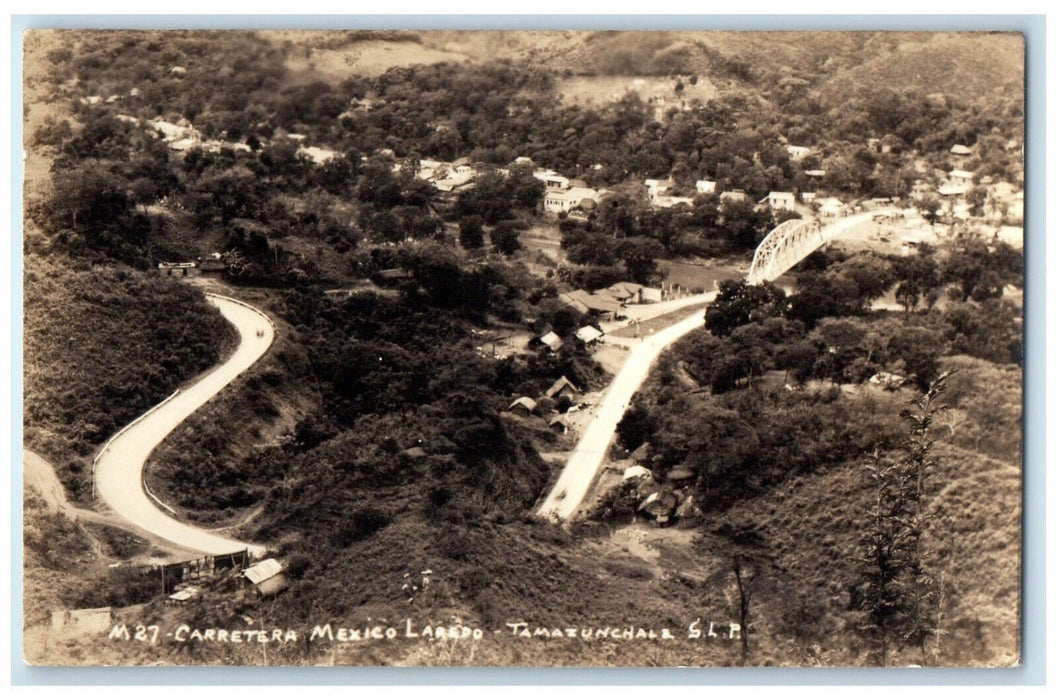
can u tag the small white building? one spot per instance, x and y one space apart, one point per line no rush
564 200
552 340
960 150
657 188
552 179
523 405
665 202
733 196
588 335
797 152
960 177
705 187
832 207
317 155
267 577
781 201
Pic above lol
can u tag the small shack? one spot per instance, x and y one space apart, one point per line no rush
626 292
559 423
589 335
551 340
562 387
524 406
180 269
637 473
184 594
267 577
660 505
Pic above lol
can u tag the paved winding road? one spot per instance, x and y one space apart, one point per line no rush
119 469
587 459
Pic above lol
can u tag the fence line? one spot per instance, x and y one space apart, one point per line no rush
115 436
242 303
157 500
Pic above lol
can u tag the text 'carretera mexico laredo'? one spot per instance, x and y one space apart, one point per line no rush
409 629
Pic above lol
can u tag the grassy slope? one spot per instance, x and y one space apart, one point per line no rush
965 66
812 525
839 63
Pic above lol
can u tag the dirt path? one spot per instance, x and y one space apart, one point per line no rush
39 476
119 468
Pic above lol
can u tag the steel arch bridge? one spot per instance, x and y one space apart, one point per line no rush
786 245
792 241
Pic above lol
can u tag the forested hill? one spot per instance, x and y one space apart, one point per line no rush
968 65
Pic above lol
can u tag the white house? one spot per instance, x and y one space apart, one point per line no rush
427 168
669 202
797 152
781 200
589 334
706 187
564 200
316 154
657 188
552 179
733 196
960 150
815 173
831 206
960 177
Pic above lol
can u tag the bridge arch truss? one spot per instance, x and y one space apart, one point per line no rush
786 245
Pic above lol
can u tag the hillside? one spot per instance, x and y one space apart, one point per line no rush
965 67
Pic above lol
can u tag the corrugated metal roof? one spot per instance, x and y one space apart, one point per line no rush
185 594
525 401
573 302
636 472
588 334
262 571
552 340
559 385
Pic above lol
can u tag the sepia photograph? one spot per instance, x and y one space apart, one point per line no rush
522 348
